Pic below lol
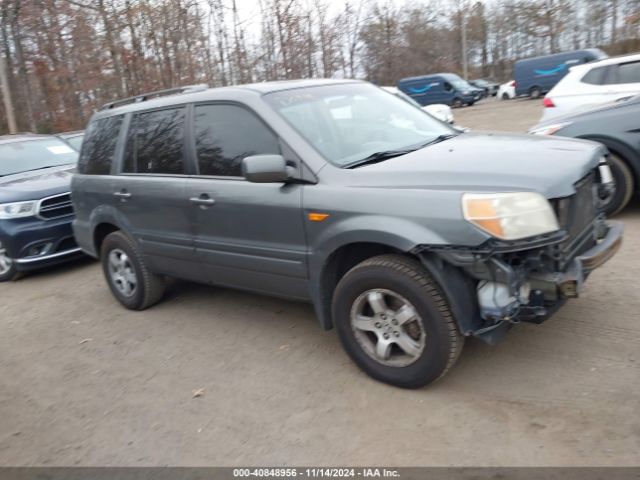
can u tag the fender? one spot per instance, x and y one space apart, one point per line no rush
101 214
397 233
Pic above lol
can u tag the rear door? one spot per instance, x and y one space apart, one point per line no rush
248 235
150 191
623 80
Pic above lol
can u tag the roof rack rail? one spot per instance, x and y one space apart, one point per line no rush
158 93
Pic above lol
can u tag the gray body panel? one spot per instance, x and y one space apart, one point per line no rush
257 236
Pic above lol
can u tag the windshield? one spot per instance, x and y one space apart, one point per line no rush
22 156
350 122
75 142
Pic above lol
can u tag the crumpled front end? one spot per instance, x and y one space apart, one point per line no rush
528 280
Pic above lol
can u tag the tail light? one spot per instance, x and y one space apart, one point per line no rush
514 84
548 102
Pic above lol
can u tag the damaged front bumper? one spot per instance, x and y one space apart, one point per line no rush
570 282
521 282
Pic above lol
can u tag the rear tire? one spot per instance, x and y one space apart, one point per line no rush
388 301
129 279
456 103
505 96
535 93
624 185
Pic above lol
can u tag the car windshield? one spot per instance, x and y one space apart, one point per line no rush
350 122
23 156
75 142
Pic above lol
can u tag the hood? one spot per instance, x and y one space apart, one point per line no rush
36 184
489 162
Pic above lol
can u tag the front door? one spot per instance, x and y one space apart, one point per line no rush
248 235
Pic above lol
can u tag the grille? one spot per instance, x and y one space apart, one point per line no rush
576 215
57 206
583 206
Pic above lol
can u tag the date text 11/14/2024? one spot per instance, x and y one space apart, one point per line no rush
315 472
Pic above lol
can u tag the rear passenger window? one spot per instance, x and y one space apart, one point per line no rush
155 142
225 134
595 76
99 146
629 73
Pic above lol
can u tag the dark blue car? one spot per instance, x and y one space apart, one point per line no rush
536 76
35 203
447 88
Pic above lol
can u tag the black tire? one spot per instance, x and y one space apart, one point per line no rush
408 278
505 96
149 287
456 103
624 185
535 93
8 270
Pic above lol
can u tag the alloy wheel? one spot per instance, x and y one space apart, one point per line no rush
5 262
388 327
122 273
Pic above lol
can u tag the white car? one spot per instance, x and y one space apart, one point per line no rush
594 83
439 110
507 91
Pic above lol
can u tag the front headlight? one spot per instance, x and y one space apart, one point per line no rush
510 216
549 129
17 210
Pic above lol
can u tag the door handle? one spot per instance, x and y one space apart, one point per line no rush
123 195
203 200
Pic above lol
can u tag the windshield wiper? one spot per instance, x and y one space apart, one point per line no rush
379 157
438 139
387 154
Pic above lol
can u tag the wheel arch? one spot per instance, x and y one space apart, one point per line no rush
105 220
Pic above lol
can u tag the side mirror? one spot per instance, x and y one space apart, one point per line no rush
265 169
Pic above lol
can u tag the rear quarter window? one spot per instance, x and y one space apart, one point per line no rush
595 76
99 146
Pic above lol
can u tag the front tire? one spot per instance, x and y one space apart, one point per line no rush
624 185
8 270
129 279
394 322
535 93
457 103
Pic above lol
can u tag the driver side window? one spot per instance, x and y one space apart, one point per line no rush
225 134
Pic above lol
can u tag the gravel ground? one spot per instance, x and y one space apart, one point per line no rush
86 382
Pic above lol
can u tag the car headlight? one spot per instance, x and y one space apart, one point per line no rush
510 216
17 210
549 129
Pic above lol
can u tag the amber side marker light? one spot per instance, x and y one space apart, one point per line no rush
317 217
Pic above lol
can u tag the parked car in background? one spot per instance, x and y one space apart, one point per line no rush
593 84
405 234
439 110
73 138
536 76
488 88
507 90
616 126
35 204
446 88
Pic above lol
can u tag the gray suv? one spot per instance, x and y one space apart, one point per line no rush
405 234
